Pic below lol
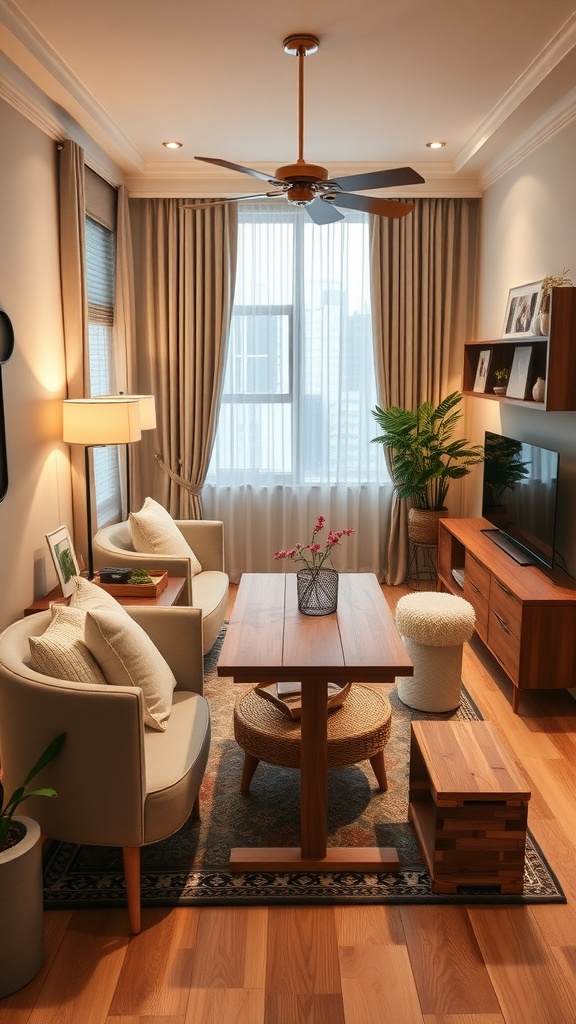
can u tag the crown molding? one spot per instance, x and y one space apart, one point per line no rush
548 58
193 179
19 92
555 120
40 49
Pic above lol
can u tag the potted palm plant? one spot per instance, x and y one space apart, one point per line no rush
22 945
425 458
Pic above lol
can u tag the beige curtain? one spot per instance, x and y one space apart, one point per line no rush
189 272
74 313
124 347
124 314
423 269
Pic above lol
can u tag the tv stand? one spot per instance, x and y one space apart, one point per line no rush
506 545
525 616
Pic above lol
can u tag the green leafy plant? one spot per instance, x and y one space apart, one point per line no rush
140 576
424 456
502 376
19 795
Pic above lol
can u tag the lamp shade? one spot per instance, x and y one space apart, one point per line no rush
95 421
147 405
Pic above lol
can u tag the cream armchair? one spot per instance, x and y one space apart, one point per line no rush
118 783
208 590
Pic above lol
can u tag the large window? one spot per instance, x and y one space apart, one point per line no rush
299 384
100 276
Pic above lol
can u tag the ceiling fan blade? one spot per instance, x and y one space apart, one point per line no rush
241 169
379 179
205 203
369 204
322 212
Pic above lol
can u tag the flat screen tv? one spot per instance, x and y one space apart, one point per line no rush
519 498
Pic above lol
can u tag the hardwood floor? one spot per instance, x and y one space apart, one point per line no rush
343 965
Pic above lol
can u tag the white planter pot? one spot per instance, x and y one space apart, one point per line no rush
21 910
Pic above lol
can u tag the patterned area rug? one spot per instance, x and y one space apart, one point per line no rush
191 867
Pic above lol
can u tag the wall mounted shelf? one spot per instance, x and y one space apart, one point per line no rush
553 357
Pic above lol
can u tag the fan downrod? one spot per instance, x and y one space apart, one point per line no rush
301 174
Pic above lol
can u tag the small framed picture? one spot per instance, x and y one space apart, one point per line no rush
523 306
64 558
520 373
482 369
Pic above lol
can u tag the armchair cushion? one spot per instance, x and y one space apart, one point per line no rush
99 633
88 597
127 657
153 531
61 651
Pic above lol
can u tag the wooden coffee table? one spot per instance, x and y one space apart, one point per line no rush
269 640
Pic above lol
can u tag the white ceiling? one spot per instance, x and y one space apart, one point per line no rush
492 78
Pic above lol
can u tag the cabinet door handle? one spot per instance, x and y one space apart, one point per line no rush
503 588
474 587
503 623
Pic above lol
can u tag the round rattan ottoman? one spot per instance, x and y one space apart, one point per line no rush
433 627
357 731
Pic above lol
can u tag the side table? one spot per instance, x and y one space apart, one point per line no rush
469 806
166 599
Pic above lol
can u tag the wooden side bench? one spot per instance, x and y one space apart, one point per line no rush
469 806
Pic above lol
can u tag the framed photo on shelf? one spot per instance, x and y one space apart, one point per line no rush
482 369
523 305
519 381
64 558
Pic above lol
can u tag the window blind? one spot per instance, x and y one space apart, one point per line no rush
100 276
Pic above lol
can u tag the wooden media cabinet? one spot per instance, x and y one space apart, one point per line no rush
526 616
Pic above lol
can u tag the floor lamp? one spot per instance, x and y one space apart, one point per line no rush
93 422
147 422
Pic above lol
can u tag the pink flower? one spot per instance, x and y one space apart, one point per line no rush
318 555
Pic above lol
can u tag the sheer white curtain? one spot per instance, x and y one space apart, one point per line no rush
295 425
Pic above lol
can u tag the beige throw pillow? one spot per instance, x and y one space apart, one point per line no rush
87 596
127 657
61 651
154 532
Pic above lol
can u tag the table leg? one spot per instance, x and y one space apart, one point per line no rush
313 769
313 854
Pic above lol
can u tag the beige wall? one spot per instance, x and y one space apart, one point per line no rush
528 230
38 498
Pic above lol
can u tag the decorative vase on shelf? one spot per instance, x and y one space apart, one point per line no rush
539 389
541 324
317 591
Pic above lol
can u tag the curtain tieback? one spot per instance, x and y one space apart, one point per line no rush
194 489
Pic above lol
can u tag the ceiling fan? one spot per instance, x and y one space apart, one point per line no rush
309 185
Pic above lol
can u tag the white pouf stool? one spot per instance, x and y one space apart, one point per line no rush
433 627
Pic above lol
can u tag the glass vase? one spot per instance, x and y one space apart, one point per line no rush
317 591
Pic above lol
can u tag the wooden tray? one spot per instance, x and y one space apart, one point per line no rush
287 696
136 589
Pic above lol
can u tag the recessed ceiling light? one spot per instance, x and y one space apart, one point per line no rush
172 145
435 145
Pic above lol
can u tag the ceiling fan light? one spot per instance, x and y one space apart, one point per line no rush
300 195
